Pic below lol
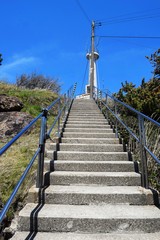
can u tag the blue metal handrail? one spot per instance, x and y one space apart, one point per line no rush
41 148
141 139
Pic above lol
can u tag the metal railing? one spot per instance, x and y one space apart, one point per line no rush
63 110
139 129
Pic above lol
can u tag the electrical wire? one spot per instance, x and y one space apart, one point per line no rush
130 17
135 44
138 37
84 77
84 12
128 14
124 20
97 71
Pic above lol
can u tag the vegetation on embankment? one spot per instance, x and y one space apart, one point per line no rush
15 160
146 99
33 99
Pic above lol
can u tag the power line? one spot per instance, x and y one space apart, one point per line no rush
130 16
138 37
84 77
135 43
130 19
83 11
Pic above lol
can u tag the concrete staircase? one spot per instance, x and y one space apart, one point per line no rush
94 191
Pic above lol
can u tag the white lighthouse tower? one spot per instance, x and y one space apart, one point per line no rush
92 56
92 74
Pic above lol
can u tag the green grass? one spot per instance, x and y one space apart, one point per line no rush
33 100
13 164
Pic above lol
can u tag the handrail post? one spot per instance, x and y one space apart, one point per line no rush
68 100
100 100
59 109
42 140
106 107
74 89
116 124
143 155
65 102
97 94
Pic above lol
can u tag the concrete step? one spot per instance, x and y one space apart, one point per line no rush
97 194
85 115
91 218
91 147
91 140
86 109
82 236
88 156
103 178
87 121
84 105
88 135
94 166
83 112
88 130
85 125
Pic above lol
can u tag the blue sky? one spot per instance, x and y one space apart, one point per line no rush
51 37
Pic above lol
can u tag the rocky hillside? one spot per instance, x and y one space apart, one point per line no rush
17 108
11 119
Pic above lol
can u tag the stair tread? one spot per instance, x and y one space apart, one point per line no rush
104 153
92 162
93 211
91 153
82 138
92 144
100 174
68 128
91 140
87 236
97 189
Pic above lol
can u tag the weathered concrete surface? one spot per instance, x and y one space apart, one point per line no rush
97 194
90 156
91 140
79 236
94 166
93 120
91 147
92 218
88 130
82 125
104 178
88 135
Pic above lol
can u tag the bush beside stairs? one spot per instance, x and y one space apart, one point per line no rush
93 190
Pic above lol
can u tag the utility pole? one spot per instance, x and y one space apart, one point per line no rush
92 56
92 61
